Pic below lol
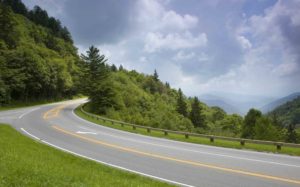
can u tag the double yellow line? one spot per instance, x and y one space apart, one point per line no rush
198 164
53 112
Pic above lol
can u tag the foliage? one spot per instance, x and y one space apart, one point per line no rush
250 120
97 85
40 17
264 129
288 113
31 69
196 115
181 104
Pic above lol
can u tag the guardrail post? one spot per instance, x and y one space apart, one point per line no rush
211 139
134 127
186 136
148 130
242 142
166 133
278 147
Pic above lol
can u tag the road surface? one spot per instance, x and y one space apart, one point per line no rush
180 163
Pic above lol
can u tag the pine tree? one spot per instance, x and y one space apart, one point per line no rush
181 104
196 115
97 85
155 76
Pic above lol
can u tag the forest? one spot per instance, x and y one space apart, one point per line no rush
38 61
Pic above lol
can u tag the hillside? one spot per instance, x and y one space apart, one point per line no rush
36 62
288 113
145 100
271 106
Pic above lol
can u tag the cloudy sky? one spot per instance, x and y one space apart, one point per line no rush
234 46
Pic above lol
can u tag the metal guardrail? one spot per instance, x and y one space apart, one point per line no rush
188 134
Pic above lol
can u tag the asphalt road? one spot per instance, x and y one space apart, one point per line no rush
179 163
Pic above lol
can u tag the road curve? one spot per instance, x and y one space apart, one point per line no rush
180 163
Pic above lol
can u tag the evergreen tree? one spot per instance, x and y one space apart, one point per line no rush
196 115
113 68
181 104
121 68
97 85
155 76
250 120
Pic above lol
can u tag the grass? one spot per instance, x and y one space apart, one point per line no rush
25 162
197 140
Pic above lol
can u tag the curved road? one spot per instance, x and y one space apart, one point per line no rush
183 164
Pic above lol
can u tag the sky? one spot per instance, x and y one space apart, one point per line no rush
203 47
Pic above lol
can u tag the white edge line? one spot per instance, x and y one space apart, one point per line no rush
207 153
28 112
105 163
30 134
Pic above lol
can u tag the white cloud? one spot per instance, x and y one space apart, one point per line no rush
174 41
172 20
153 16
244 42
286 69
181 55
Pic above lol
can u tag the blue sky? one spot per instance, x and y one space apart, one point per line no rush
214 46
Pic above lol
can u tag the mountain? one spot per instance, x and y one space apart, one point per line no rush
288 113
234 103
212 100
271 106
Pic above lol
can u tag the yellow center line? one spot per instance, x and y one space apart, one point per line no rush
175 159
53 112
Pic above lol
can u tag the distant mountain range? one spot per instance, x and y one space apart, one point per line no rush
240 104
274 104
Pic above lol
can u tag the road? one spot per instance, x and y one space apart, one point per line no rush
180 163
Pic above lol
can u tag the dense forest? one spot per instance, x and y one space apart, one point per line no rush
38 60
37 57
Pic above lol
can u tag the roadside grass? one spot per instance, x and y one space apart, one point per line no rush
23 104
192 139
26 162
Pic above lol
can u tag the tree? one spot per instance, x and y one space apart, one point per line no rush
233 123
17 6
7 24
196 115
181 104
114 68
218 114
265 130
155 76
250 119
97 85
291 134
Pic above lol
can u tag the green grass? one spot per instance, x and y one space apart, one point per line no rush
25 162
197 140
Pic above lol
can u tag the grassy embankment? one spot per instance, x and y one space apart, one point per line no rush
25 162
198 140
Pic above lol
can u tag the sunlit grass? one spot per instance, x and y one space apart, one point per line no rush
25 162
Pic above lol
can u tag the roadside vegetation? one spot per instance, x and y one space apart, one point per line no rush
192 139
25 162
